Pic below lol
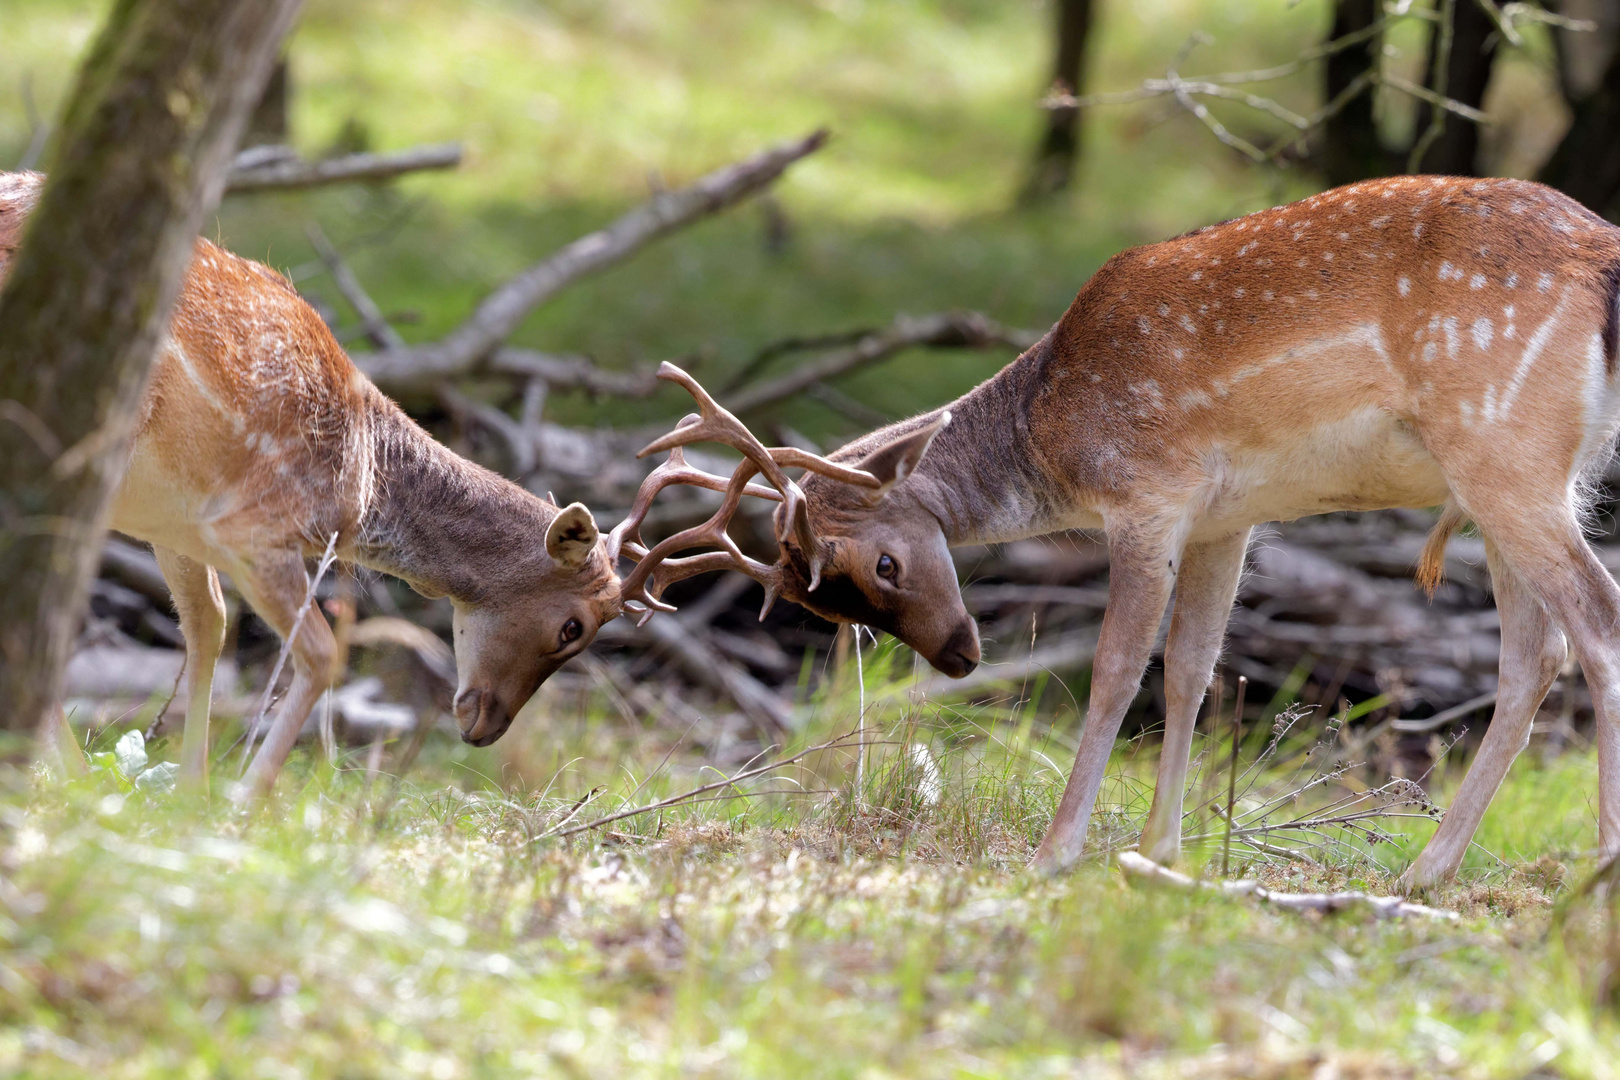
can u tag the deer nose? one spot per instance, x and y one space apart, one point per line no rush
961 653
480 717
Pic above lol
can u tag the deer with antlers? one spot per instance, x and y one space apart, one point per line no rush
260 442
1408 342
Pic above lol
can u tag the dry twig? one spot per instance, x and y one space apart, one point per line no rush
1142 868
264 168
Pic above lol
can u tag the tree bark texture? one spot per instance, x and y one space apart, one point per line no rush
1586 163
140 158
1474 45
1351 149
1059 146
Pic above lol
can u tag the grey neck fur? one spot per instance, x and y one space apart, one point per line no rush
980 477
441 522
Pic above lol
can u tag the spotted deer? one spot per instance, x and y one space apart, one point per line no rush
1407 342
259 441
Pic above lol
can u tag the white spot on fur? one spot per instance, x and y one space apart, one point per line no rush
1477 281
1544 282
1511 281
1483 333
1527 359
1449 324
1403 284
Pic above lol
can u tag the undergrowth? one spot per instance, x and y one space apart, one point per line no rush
795 923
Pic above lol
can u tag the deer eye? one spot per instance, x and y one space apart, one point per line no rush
887 567
571 631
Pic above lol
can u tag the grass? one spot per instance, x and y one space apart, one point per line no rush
813 929
810 929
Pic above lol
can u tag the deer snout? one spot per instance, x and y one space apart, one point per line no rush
960 654
481 717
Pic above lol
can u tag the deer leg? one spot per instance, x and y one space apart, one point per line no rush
1546 551
201 607
1139 580
275 586
58 742
1533 651
1205 588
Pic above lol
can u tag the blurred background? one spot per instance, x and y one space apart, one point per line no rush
962 179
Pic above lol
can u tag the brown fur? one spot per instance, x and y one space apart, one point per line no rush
1404 342
259 440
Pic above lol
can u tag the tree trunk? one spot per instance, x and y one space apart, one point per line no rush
140 158
268 124
1059 147
1474 44
1351 149
1586 163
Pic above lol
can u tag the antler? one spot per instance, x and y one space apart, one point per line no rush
716 424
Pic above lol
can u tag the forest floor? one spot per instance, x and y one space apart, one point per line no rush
804 922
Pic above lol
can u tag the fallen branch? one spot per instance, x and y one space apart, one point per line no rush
371 316
572 372
280 168
952 330
504 309
706 666
1143 868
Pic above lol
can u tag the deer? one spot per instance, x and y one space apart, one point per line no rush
1416 341
260 444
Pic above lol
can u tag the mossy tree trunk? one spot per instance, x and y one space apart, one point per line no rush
1059 146
1474 45
140 158
1351 149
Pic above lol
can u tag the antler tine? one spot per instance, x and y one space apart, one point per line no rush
791 457
634 589
717 424
675 470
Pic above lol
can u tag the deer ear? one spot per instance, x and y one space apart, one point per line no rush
571 536
898 459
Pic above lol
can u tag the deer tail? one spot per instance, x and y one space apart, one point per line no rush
1432 563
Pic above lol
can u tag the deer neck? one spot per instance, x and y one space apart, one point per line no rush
980 477
443 524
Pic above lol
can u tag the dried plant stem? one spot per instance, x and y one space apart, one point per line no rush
695 794
1232 771
860 721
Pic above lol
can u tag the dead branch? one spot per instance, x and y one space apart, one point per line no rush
696 793
708 667
371 317
1142 868
568 372
1188 92
953 330
265 168
503 310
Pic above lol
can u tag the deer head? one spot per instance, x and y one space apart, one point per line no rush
541 613
856 545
